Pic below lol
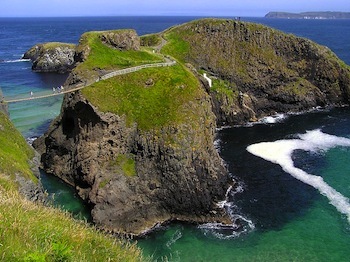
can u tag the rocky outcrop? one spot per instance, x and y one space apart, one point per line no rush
260 71
52 57
135 180
309 15
121 39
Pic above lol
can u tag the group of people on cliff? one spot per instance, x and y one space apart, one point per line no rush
58 89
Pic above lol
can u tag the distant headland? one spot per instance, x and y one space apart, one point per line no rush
309 15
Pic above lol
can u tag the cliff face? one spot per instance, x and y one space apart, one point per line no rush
51 57
257 70
133 179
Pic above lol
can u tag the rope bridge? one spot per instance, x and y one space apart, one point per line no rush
104 77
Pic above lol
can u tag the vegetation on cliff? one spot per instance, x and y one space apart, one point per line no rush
32 232
14 151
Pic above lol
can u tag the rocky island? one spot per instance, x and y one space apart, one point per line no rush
51 57
309 15
139 148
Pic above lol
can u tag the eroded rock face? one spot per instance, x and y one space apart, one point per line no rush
51 57
174 173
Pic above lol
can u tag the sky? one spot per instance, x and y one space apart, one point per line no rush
243 8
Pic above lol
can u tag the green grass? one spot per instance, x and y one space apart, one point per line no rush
14 151
127 165
31 232
224 88
104 57
150 106
177 46
52 45
150 40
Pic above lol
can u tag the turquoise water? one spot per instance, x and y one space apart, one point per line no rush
283 218
65 197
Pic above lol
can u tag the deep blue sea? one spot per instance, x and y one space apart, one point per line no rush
293 170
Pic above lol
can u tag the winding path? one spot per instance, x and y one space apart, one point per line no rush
104 77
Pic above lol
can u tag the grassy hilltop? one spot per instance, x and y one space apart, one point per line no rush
151 97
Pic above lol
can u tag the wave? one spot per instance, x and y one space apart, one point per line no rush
241 225
175 237
280 152
278 118
15 61
30 140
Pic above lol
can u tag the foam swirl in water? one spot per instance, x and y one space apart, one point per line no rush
280 152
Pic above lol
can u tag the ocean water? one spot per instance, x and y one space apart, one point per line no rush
293 172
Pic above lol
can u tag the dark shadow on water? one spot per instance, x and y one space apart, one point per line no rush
64 197
52 79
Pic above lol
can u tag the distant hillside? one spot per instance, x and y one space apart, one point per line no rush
309 15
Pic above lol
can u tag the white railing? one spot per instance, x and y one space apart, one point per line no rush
134 69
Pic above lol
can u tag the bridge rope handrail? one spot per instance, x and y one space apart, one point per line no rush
104 77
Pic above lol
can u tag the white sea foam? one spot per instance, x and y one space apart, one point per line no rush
16 61
175 237
280 152
240 225
273 119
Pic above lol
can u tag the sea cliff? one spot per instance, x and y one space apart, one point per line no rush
139 147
